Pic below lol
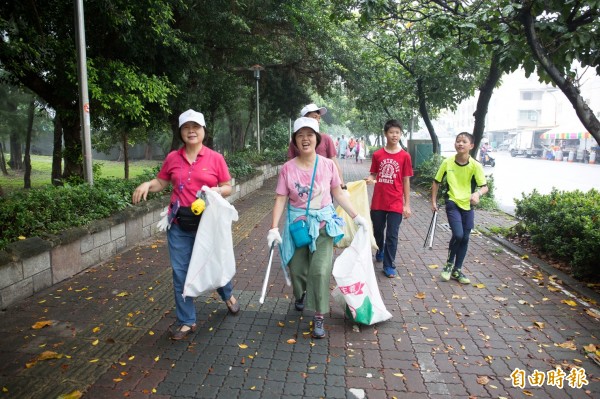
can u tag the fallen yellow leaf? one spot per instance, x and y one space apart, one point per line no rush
569 302
94 360
131 357
123 294
22 238
590 348
525 257
568 345
95 329
592 312
72 395
150 332
312 367
291 341
539 324
41 324
49 355
117 379
281 324
480 285
433 266
156 358
95 342
243 346
420 295
398 374
482 380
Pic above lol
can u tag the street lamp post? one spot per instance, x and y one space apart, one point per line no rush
257 68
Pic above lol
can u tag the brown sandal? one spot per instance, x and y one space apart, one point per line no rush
179 334
233 307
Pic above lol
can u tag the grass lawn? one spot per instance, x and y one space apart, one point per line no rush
41 168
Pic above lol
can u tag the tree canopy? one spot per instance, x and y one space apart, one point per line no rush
149 60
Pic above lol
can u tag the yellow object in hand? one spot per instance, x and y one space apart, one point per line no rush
198 206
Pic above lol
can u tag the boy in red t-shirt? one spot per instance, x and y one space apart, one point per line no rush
391 169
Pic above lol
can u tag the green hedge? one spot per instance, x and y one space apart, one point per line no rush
564 225
50 210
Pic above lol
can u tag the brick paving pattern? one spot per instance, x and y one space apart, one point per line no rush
110 327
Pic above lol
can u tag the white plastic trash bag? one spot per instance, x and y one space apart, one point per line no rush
357 291
360 201
212 264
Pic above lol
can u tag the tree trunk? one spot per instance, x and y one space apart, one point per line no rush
3 161
585 114
486 89
425 115
57 152
176 140
16 153
126 155
27 177
73 154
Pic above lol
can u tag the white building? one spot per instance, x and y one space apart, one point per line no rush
522 103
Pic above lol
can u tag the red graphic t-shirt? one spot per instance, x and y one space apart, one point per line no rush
390 169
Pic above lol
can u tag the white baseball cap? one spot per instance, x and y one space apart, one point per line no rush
306 122
192 116
313 108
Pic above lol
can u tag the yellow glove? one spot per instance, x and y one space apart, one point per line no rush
198 206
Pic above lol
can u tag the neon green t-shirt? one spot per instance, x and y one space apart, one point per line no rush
462 180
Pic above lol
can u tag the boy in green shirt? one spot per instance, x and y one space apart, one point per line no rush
463 175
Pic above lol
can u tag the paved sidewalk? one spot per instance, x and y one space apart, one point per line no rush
108 330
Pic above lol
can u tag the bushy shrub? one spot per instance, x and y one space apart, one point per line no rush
49 210
564 225
242 164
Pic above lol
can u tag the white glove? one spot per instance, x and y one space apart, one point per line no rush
360 221
163 224
274 237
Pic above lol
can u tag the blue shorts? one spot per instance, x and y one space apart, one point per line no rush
456 214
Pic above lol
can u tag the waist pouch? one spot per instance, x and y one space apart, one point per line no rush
299 233
187 220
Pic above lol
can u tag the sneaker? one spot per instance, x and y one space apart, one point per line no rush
446 272
389 271
299 304
318 327
379 255
460 277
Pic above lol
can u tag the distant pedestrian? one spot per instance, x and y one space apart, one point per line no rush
343 147
462 173
361 151
188 169
306 185
391 169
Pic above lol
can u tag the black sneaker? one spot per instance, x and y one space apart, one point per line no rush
299 304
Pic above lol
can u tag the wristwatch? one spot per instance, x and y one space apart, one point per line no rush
344 187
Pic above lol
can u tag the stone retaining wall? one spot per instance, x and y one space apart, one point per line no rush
34 264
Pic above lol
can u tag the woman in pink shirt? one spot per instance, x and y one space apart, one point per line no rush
188 169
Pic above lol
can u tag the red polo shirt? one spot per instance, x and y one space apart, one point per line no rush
209 169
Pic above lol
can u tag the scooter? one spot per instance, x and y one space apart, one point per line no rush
488 160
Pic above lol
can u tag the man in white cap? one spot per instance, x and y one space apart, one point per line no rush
326 147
